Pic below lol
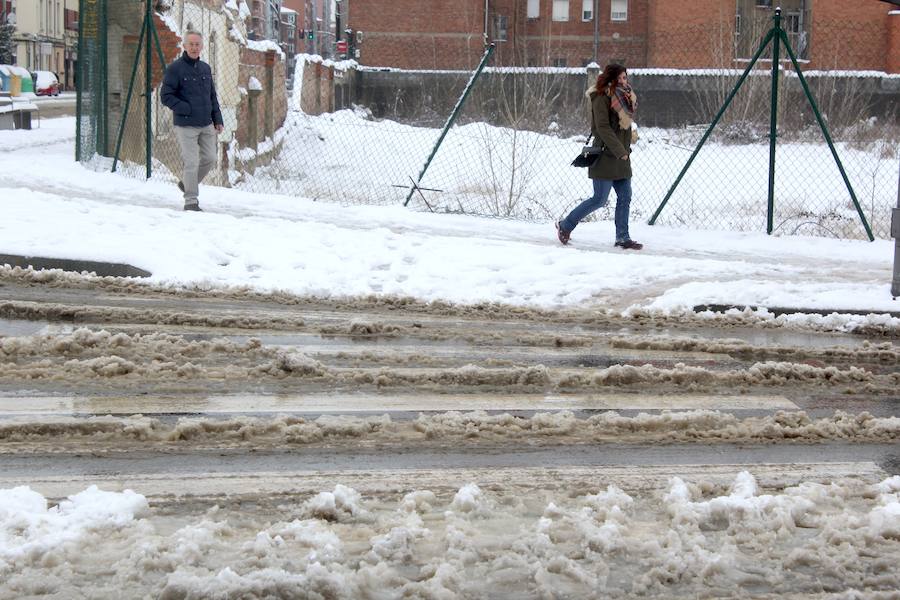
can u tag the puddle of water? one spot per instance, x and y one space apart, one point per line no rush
18 327
378 403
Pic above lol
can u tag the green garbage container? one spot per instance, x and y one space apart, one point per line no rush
27 83
20 80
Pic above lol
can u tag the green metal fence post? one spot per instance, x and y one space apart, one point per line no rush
148 85
456 109
79 83
825 132
103 126
712 125
159 50
773 123
125 107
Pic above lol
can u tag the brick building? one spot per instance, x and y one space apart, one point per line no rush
450 34
304 25
436 34
265 20
825 34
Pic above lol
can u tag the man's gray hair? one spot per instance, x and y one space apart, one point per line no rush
192 32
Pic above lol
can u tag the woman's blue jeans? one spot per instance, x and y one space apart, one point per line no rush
599 200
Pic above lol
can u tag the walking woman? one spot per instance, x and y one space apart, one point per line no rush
613 104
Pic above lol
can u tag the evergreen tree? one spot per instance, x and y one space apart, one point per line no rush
6 43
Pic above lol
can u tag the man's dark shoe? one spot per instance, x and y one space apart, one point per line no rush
629 245
193 207
562 234
181 186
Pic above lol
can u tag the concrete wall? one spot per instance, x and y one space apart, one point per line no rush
665 100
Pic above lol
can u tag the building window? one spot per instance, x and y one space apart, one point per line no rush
619 10
534 9
558 62
560 10
796 31
500 28
587 10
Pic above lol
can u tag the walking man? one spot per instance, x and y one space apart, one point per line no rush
188 90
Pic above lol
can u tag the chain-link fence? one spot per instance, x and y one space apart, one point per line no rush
361 135
91 81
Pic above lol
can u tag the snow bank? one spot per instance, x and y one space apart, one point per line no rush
30 531
450 427
693 536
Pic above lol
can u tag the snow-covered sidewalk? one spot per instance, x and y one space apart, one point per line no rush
54 207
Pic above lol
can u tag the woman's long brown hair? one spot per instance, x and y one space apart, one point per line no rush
610 75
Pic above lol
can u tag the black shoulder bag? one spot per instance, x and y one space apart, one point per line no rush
588 155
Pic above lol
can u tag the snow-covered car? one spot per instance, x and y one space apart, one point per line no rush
45 83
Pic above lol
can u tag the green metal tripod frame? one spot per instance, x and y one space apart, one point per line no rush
488 51
778 36
147 29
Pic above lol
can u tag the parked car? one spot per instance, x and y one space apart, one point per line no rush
45 83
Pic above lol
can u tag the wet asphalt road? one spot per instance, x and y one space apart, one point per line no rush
886 456
497 342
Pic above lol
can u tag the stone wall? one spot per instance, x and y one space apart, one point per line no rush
253 64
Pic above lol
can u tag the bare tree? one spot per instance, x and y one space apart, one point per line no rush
523 102
748 114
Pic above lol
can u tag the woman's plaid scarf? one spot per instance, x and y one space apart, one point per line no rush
624 102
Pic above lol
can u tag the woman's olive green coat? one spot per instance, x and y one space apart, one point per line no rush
617 142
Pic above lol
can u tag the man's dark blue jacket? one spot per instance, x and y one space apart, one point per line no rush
188 89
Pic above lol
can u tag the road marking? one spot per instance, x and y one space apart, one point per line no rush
351 403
